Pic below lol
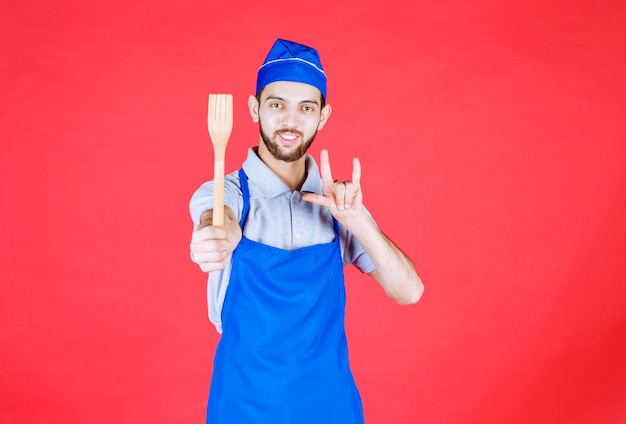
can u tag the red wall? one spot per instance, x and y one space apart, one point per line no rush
493 142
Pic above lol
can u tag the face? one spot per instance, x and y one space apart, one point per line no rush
289 116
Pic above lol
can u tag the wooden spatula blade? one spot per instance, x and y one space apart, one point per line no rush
220 123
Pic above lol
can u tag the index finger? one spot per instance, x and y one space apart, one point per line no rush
327 176
208 233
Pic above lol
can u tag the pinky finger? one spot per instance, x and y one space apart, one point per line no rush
356 172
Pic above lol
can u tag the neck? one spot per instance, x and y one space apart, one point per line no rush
292 174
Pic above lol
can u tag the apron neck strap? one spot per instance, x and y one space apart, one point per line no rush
243 179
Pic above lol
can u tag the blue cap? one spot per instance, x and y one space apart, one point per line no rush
289 61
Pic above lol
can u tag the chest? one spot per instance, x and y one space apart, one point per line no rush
288 222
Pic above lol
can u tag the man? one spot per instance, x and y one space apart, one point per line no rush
276 288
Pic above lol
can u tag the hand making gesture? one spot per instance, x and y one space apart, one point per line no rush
342 198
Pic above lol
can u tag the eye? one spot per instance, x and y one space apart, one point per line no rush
308 108
275 105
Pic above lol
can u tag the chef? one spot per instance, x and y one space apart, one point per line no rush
276 268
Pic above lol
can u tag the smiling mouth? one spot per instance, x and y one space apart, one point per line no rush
289 137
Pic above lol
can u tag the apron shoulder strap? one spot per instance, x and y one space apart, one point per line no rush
243 180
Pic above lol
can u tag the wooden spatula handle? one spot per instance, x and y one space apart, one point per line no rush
218 193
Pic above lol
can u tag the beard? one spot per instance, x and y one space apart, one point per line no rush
287 156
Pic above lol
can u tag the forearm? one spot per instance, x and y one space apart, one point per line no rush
395 272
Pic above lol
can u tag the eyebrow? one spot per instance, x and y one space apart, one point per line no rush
272 97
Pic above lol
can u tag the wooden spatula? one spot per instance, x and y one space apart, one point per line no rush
220 120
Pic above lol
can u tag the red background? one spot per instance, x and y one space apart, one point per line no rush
493 142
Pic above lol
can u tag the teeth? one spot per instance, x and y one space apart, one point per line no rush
289 137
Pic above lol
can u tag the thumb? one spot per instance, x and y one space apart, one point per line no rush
316 199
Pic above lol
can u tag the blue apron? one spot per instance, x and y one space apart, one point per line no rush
283 356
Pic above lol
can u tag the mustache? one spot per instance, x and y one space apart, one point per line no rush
289 130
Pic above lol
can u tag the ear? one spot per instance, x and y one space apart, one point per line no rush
253 106
326 111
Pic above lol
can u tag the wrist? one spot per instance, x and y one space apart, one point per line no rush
358 223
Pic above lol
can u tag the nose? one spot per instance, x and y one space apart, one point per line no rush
290 118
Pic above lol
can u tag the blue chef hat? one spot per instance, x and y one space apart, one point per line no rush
289 61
